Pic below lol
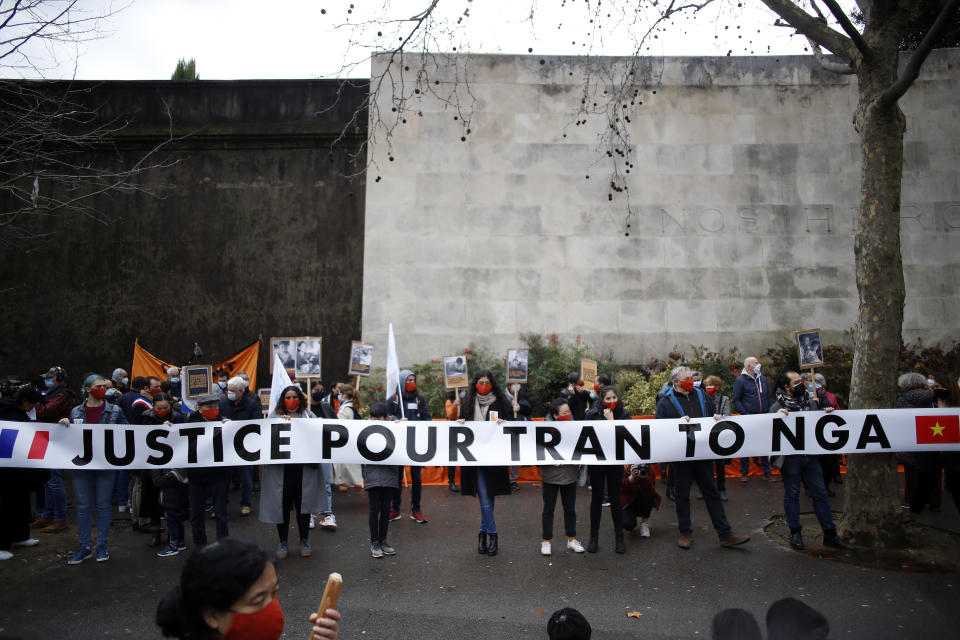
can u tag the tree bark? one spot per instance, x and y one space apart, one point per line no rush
872 514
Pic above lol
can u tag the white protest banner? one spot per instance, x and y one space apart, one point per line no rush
443 443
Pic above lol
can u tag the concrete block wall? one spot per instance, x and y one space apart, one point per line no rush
734 226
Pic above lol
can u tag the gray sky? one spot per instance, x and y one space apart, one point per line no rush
234 39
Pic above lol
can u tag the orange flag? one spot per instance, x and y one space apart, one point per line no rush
246 360
146 364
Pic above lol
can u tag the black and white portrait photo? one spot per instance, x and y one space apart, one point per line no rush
517 365
455 371
811 351
283 349
308 356
361 359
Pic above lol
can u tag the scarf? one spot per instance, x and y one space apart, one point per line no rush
790 403
481 405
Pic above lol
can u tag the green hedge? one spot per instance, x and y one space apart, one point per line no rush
552 360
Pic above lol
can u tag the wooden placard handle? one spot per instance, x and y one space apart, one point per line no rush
331 594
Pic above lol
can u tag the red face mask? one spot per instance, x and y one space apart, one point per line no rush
98 393
483 388
566 417
266 624
155 391
687 385
210 413
410 386
712 390
596 387
292 404
162 413
611 405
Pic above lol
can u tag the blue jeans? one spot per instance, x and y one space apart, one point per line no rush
175 519
806 469
328 480
745 465
487 524
416 490
93 489
121 488
55 497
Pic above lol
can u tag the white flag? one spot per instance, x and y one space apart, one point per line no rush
393 369
280 382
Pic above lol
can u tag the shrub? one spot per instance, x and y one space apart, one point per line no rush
641 397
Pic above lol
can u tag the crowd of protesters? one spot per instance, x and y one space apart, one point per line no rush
177 497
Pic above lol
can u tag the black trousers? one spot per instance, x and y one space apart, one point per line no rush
15 513
641 507
605 480
568 495
292 497
683 474
380 498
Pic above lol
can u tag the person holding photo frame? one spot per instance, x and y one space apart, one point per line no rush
484 401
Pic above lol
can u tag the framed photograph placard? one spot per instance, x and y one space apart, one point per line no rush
810 348
518 365
283 348
264 395
199 380
308 356
455 372
361 359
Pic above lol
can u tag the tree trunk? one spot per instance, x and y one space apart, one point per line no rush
872 514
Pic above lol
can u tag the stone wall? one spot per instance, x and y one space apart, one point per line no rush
490 209
254 231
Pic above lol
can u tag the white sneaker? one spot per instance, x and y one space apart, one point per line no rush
29 542
575 546
5 555
329 521
644 530
545 548
122 508
313 521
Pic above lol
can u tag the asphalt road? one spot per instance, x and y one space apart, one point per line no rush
438 587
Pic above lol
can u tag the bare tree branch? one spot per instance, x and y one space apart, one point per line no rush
851 30
829 65
912 69
815 30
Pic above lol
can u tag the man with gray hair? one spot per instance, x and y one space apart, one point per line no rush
684 401
173 377
241 404
751 395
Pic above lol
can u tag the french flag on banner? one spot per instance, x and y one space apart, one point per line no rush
38 447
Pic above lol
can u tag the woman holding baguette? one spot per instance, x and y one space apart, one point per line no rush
229 591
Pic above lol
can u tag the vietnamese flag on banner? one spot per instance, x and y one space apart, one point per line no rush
938 429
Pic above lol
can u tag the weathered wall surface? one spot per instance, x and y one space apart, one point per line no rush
732 225
254 231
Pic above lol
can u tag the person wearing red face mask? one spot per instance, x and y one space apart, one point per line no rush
722 404
93 489
684 401
146 517
559 479
415 407
605 479
230 591
484 399
297 487
213 482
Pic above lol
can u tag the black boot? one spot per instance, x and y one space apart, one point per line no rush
594 545
831 539
494 544
482 544
620 547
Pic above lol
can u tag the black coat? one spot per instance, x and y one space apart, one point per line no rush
497 479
